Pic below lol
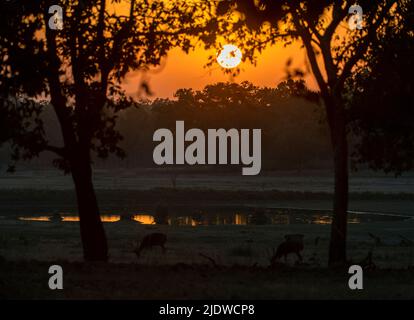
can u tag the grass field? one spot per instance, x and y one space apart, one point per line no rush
241 253
28 280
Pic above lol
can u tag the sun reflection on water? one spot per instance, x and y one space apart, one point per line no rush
240 219
41 218
143 218
206 219
68 218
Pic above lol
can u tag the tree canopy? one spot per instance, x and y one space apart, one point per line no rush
79 69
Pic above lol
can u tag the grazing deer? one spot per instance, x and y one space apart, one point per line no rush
293 244
151 240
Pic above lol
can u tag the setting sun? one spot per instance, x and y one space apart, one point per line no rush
229 57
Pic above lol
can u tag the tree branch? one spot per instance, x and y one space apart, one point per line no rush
307 41
101 41
338 14
57 98
363 47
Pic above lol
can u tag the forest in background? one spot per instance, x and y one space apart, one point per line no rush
294 135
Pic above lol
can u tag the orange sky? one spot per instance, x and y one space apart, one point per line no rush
187 71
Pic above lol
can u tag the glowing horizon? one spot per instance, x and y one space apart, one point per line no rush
181 70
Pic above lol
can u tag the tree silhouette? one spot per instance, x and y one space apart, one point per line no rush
333 52
77 71
382 99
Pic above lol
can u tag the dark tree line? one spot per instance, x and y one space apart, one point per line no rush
293 134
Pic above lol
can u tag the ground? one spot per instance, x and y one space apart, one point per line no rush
241 252
29 279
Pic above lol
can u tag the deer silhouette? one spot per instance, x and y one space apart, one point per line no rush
293 244
151 240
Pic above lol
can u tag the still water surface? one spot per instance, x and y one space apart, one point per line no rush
278 216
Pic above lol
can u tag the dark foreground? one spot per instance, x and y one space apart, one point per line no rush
241 252
29 280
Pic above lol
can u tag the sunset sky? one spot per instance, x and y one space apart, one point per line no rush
181 70
188 71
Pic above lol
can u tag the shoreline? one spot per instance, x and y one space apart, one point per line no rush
17 202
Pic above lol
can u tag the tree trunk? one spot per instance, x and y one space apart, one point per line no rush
337 248
92 232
